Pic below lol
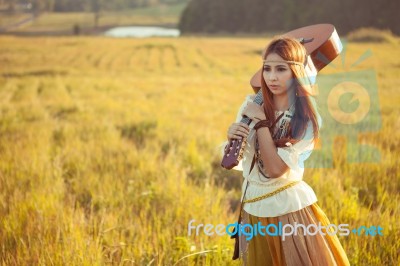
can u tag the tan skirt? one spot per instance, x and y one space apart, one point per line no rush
297 249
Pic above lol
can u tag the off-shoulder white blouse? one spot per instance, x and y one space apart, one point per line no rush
292 199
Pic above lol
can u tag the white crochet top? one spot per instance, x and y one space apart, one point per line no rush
292 199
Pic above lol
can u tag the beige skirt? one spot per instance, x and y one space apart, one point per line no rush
297 249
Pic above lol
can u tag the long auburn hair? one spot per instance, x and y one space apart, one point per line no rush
291 49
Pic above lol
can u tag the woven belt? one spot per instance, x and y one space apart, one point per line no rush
291 184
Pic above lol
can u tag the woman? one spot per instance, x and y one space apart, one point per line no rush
273 190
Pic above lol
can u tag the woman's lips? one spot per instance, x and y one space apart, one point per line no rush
273 86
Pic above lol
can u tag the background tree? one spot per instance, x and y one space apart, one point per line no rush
210 16
96 8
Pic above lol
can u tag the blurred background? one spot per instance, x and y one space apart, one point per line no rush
112 114
62 17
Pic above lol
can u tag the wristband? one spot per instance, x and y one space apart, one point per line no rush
262 123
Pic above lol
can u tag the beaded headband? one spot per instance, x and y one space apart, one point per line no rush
288 62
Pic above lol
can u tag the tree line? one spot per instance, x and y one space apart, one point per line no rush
81 5
254 16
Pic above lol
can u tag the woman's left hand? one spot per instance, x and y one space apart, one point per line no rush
254 111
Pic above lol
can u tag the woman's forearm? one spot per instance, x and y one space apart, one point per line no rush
273 164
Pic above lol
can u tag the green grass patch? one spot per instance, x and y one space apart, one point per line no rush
53 22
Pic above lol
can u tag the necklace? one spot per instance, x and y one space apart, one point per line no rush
290 109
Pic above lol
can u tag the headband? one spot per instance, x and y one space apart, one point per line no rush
284 61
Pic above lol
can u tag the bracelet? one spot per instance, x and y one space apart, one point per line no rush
262 123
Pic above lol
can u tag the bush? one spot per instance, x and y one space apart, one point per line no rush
371 35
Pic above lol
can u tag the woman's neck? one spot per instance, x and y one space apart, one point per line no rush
284 101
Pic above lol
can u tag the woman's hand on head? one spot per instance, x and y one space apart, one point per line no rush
238 131
254 111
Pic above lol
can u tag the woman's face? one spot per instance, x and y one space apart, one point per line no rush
277 74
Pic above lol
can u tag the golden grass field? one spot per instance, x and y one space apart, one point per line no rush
109 147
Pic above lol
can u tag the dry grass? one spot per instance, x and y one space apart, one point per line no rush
108 148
